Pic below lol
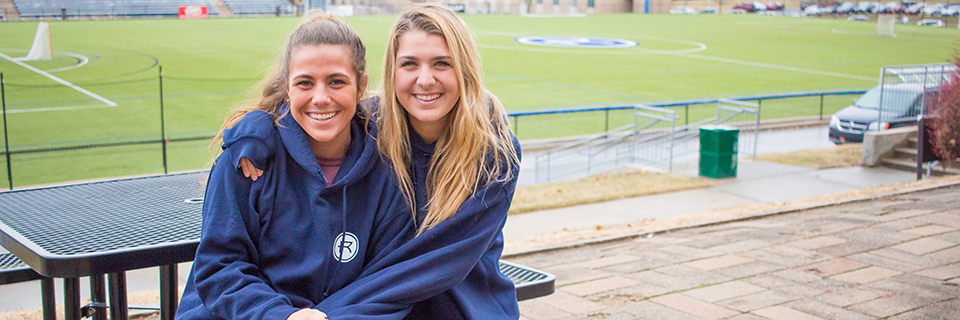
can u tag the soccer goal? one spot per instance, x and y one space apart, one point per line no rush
885 24
42 49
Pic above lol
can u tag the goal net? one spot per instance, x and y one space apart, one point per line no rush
41 50
885 24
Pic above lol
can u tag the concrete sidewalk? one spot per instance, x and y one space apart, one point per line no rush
895 258
756 182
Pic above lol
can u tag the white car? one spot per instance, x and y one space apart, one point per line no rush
812 10
858 17
932 9
950 11
930 22
682 10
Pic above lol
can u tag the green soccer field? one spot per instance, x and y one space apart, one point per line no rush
210 65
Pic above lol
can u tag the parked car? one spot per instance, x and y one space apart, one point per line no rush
775 5
951 10
827 10
806 3
708 11
812 10
457 7
748 7
846 7
863 7
759 6
858 17
930 22
932 9
682 10
891 7
901 104
913 9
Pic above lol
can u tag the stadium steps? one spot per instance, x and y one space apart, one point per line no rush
222 7
10 12
904 158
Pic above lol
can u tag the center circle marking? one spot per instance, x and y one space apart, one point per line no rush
577 42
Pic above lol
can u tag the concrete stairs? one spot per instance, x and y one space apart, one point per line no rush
904 157
224 10
10 12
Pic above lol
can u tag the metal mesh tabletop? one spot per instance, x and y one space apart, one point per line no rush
76 222
530 283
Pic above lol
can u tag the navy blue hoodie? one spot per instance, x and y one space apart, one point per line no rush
288 241
449 272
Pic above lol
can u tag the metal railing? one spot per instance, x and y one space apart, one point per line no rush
652 139
516 116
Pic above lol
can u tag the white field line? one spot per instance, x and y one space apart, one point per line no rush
684 53
83 62
67 108
61 81
776 66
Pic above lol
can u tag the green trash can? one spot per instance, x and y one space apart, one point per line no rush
718 151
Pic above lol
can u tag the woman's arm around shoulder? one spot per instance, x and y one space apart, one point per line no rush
252 140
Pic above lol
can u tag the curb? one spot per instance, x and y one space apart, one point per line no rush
617 237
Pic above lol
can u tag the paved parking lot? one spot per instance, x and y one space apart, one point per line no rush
896 257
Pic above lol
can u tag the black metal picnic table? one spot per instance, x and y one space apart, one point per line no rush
110 227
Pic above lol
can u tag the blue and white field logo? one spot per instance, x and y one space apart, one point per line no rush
577 42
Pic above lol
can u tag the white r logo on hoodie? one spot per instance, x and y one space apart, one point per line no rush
345 247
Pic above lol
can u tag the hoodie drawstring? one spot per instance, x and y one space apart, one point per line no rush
342 236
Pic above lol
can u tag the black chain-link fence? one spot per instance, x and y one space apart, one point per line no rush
54 132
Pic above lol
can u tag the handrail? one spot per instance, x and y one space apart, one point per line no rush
691 102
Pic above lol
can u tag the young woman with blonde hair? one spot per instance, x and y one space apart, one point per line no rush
325 208
456 162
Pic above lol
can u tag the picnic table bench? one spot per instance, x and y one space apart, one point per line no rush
103 229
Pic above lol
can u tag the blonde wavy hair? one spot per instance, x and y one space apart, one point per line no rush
315 28
477 148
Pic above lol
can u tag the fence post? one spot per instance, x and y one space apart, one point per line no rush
163 136
921 137
821 106
606 125
516 125
686 114
6 140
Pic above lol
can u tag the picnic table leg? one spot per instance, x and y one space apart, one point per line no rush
118 295
48 296
168 291
98 293
71 298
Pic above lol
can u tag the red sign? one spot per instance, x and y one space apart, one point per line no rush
193 12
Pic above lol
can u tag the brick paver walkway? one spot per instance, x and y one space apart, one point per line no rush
895 258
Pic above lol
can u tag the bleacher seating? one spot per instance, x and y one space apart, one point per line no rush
258 6
52 8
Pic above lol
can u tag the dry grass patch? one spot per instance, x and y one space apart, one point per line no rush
841 156
600 188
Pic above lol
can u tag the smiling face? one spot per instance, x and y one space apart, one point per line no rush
324 91
426 82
